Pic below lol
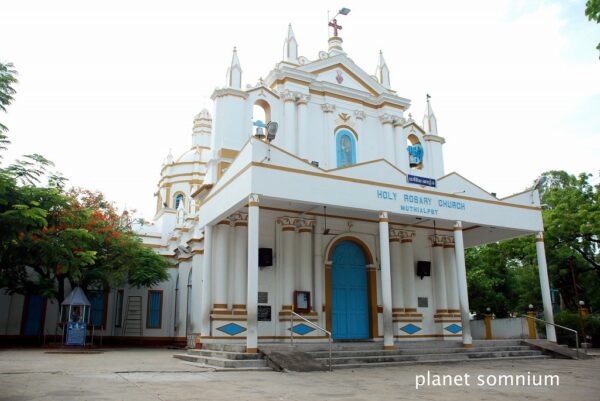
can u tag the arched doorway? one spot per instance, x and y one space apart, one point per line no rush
349 292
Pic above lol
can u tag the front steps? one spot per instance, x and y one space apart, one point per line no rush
411 353
348 355
222 357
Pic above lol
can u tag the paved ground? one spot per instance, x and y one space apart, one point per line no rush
147 374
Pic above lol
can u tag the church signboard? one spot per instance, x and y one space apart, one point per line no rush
415 179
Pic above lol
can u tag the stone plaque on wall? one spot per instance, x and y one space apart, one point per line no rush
264 313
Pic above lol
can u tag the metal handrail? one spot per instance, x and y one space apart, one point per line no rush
316 326
562 327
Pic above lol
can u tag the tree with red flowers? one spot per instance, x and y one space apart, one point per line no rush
50 236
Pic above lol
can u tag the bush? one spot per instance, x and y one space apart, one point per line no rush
573 321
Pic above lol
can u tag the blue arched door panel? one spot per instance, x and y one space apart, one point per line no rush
349 293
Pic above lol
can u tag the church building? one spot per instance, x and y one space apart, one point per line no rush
314 193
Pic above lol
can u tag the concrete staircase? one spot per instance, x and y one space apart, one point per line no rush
350 355
221 357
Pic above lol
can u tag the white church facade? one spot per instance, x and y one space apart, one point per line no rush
346 217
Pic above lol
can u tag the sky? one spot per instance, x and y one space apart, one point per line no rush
107 88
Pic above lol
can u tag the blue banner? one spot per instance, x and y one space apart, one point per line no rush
76 332
414 179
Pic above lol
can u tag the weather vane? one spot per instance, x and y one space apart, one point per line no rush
333 22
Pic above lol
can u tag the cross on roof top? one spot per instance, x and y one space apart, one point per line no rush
333 23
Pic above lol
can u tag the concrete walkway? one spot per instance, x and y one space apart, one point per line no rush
153 374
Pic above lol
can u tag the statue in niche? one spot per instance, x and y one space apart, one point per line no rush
415 155
346 150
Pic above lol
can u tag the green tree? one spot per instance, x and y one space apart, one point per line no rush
504 276
592 11
572 228
49 236
8 78
499 276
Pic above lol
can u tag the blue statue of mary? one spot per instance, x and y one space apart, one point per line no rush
415 155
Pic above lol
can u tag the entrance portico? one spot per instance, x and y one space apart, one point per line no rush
394 224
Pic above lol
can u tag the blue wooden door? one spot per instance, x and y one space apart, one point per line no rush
34 315
350 309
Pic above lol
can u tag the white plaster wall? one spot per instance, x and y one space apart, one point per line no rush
501 328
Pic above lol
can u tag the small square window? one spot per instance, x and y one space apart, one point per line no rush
423 302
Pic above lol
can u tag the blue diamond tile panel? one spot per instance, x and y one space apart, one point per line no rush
410 328
232 329
302 329
454 328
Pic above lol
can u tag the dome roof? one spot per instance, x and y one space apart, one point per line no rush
195 154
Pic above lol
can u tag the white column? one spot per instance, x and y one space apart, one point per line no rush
463 295
396 266
303 139
400 145
545 286
221 265
408 270
388 137
451 280
319 272
386 281
288 231
289 127
240 262
305 255
206 285
194 321
439 274
329 156
181 298
252 298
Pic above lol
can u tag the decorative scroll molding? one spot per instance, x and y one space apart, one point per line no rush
287 221
304 225
328 108
302 98
359 114
441 239
239 218
288 96
386 118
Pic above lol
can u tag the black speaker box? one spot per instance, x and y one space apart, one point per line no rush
265 257
423 269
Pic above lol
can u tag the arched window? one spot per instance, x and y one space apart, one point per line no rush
261 115
345 148
178 200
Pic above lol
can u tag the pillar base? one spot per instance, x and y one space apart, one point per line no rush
467 345
388 348
251 350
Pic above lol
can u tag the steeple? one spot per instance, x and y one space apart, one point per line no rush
429 120
383 73
202 129
234 72
290 47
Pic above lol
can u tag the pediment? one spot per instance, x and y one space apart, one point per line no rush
456 183
342 71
